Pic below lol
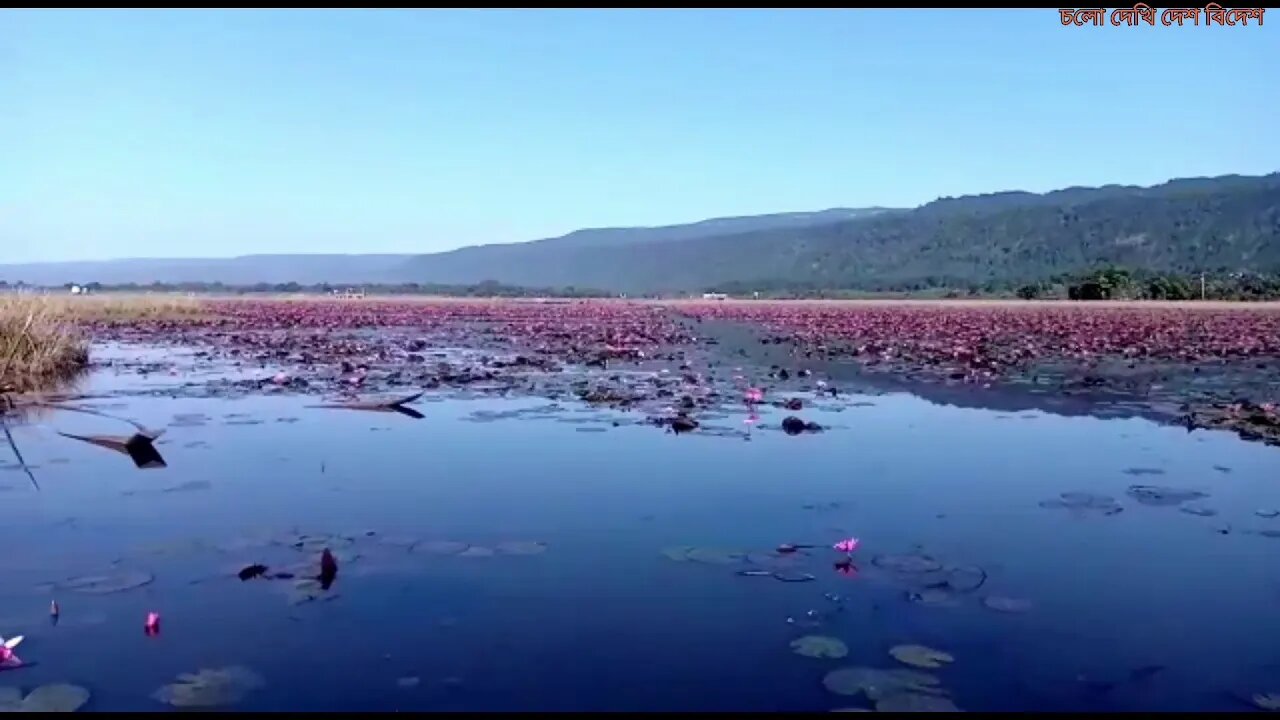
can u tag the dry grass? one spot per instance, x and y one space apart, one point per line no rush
38 345
41 338
107 308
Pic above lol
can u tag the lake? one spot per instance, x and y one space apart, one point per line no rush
522 553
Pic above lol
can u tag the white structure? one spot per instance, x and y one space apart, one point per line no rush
714 296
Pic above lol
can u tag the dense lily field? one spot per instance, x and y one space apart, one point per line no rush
992 339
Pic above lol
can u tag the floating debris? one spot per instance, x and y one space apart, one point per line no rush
57 697
393 405
1004 604
819 646
138 447
210 687
921 656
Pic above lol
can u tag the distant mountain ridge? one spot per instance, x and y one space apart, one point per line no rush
1230 222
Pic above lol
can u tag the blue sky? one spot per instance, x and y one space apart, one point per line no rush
144 134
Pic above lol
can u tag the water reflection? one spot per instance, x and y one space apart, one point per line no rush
490 562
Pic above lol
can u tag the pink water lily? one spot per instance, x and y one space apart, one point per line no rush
753 395
8 658
847 546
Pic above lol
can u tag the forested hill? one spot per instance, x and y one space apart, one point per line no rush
1002 240
1219 224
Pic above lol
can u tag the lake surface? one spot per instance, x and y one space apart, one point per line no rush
571 603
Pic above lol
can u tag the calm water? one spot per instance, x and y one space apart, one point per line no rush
602 620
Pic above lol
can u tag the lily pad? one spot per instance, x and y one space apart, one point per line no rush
966 578
441 547
1267 513
1004 604
715 556
791 576
59 697
1198 510
1084 502
909 563
933 597
915 702
819 646
781 561
877 683
114 582
10 699
920 656
210 687
678 553
475 551
1159 495
1267 701
521 547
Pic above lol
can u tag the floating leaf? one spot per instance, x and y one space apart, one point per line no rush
909 563
920 656
115 582
877 683
966 578
915 702
715 556
933 597
678 553
475 551
210 687
59 697
1158 495
440 547
819 646
781 561
521 547
792 576
1267 701
1001 603
1084 502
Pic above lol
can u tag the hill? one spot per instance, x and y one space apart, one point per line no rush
1000 240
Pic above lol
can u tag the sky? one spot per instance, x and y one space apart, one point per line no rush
203 133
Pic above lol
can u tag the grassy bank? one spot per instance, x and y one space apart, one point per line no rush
38 344
43 339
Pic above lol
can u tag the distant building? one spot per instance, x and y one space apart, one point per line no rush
714 296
